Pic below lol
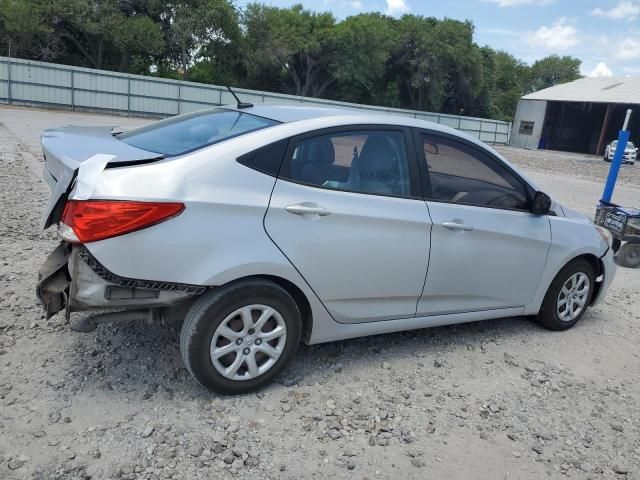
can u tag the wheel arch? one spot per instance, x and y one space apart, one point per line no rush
303 303
550 275
306 313
598 269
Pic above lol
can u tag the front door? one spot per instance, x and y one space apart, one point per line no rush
346 210
487 250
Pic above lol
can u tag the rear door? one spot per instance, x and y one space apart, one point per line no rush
487 250
347 212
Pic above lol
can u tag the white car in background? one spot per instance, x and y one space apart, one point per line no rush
630 152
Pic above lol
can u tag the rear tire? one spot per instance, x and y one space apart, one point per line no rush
568 297
629 255
237 339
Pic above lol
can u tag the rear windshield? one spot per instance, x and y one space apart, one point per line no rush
191 131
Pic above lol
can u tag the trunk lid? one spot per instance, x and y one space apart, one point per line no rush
66 148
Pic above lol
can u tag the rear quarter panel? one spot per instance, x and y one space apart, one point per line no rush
218 238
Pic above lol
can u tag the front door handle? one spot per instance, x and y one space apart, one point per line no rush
307 209
457 226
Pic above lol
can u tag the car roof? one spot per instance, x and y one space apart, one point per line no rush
292 113
286 113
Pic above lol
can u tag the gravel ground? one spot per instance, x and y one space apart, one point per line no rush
497 399
587 167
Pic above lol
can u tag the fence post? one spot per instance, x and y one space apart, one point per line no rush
179 93
220 101
128 95
73 99
9 79
480 132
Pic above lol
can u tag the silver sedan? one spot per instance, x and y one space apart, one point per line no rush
263 226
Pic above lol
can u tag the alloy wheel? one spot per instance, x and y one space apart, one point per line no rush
248 342
573 297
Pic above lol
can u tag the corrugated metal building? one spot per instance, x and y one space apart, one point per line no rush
581 116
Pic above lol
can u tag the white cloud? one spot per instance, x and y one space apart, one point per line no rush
601 70
559 36
356 4
629 49
514 3
623 10
397 7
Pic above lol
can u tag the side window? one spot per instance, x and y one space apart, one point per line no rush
266 159
460 174
360 161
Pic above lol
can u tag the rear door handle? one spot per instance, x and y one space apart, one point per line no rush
307 209
457 226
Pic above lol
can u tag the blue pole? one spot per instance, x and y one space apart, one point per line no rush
616 163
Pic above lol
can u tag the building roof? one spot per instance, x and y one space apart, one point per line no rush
593 89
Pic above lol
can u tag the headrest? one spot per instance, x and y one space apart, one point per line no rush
321 151
377 155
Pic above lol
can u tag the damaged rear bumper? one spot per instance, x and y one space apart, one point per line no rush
52 288
71 279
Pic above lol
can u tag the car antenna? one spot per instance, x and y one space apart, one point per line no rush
240 104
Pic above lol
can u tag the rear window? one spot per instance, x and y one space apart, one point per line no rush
191 131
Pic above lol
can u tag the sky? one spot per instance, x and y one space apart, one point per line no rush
604 34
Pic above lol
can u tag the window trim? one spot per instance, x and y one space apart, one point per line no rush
420 133
414 171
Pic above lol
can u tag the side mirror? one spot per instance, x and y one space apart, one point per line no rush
541 204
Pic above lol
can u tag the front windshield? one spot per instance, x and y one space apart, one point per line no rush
191 131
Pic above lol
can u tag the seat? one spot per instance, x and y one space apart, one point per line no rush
376 169
320 156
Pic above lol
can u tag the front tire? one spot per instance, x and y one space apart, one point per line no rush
568 297
237 339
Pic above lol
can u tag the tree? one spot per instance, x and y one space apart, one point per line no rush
553 70
363 46
137 36
86 25
293 41
23 27
503 82
193 26
418 62
436 64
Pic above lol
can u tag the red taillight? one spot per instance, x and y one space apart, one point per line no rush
86 221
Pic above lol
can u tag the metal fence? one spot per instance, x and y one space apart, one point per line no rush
26 82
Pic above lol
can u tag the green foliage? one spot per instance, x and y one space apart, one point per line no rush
362 46
553 70
296 44
414 62
21 25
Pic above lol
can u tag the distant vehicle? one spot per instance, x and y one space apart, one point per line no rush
263 226
630 152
